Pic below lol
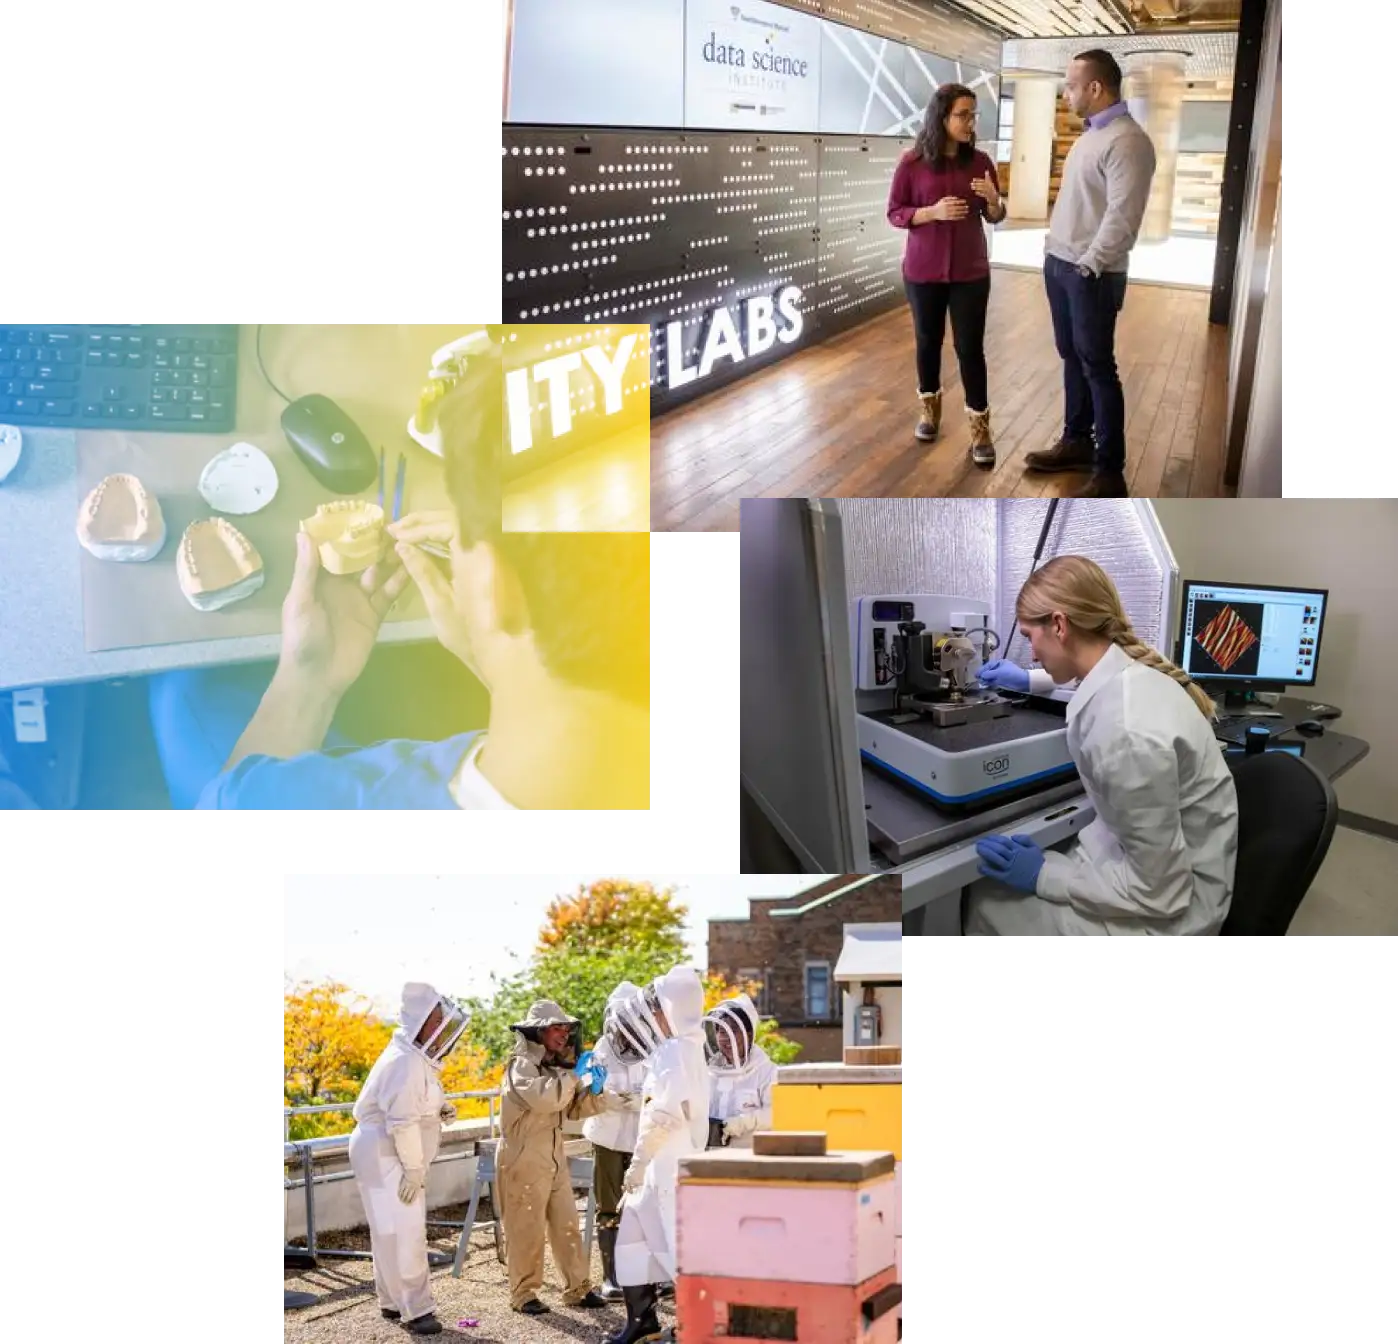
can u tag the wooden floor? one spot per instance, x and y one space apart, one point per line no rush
838 419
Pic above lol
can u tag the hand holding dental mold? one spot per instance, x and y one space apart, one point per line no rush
330 623
425 543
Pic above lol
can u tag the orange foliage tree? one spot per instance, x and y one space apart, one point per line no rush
331 1042
332 1038
468 1069
613 916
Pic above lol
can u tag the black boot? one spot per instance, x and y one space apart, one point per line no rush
642 1324
606 1242
425 1325
1072 452
390 1315
1104 485
534 1308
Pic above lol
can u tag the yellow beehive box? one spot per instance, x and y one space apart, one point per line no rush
856 1106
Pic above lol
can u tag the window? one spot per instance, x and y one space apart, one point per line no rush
1204 127
818 989
754 982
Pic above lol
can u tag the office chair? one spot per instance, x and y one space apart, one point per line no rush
1286 818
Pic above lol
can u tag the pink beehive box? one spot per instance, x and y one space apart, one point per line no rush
720 1310
828 1219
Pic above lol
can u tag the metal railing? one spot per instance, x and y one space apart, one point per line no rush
491 1097
305 1151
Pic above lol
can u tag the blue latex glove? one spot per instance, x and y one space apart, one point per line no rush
1004 675
592 1074
1015 861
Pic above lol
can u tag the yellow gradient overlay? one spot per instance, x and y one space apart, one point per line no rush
555 617
579 397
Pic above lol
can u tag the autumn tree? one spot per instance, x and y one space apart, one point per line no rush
612 916
333 1037
331 1042
605 932
580 985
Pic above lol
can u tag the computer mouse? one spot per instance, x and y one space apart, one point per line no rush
1310 728
331 445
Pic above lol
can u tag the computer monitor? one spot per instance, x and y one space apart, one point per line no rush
1240 638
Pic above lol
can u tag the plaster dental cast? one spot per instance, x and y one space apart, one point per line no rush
553 626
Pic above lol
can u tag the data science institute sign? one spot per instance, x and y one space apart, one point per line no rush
751 66
732 335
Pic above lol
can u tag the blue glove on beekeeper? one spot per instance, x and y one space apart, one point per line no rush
1015 861
592 1074
1003 675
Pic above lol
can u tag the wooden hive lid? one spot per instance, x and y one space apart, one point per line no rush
747 1166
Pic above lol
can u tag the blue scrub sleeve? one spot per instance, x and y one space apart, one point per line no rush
197 716
394 775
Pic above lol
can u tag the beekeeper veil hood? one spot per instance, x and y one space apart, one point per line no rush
639 1020
730 1033
545 1013
630 1023
430 1022
681 995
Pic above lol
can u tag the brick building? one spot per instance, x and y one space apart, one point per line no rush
790 946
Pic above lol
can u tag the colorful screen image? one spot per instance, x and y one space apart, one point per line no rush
1228 637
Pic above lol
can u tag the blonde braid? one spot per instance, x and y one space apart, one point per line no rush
1081 590
1129 642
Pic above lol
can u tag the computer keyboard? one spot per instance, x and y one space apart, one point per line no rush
1234 727
133 377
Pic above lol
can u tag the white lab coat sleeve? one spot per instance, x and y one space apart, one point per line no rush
1149 874
1040 683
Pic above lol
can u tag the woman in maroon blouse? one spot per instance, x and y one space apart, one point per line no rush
942 188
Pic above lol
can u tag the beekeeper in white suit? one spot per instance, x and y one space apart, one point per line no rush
741 1074
398 1128
613 1134
667 1021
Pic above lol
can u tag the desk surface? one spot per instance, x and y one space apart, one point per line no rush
1333 752
375 373
908 828
372 370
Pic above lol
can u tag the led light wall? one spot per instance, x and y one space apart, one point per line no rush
743 215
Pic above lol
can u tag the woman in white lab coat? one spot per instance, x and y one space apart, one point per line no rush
1160 854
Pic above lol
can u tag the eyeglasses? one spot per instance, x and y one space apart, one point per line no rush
964 116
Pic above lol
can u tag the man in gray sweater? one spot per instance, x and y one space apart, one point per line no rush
1106 184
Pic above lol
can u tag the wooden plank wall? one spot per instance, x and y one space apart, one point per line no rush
1198 194
1198 177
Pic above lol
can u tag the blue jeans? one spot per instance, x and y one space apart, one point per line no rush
1084 330
197 717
